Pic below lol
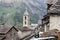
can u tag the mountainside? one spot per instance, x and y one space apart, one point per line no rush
11 12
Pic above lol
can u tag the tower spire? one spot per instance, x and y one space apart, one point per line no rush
26 13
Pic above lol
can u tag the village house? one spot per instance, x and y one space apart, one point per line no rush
24 33
52 19
8 33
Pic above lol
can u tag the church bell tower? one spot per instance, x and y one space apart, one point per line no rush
26 19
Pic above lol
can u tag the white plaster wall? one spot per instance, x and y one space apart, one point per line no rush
27 21
55 22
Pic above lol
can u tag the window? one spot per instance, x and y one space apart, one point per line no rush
25 22
25 17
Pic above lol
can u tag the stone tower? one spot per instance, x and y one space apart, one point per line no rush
26 19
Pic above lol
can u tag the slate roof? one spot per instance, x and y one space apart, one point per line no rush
55 8
4 29
2 37
25 29
58 3
51 1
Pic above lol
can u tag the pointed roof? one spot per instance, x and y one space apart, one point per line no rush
4 29
26 13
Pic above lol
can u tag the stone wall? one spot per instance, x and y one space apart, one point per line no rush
54 22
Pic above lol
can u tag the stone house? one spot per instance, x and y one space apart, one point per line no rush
52 19
24 33
8 33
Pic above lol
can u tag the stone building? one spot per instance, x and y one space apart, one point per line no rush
8 33
26 19
24 33
52 19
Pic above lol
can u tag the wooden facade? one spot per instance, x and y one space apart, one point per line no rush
45 23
